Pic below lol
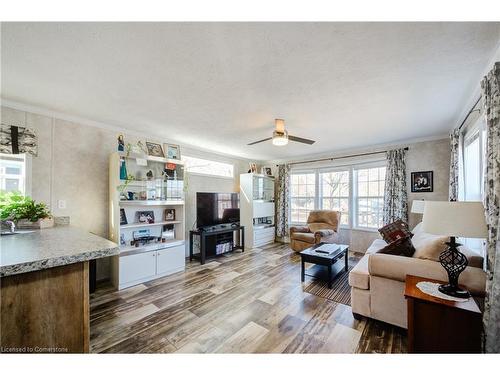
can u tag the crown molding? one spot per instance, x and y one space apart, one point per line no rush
372 148
42 111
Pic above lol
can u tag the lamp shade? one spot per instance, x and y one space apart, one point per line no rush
455 219
417 206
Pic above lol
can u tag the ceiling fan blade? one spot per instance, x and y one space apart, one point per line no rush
262 140
301 140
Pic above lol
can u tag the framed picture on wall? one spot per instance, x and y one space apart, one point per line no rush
422 182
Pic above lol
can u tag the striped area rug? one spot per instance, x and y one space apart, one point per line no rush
340 292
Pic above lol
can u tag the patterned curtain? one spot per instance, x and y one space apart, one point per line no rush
395 196
18 140
282 201
456 190
490 94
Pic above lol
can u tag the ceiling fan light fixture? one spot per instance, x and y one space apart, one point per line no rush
280 138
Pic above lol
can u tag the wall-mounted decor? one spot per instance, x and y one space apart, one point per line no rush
267 171
146 217
172 151
422 182
170 214
18 140
154 149
253 168
123 217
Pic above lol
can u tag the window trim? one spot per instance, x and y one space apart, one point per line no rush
302 171
377 164
475 130
349 170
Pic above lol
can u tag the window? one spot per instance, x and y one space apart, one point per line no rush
474 158
12 173
302 196
334 193
357 192
472 168
369 197
208 167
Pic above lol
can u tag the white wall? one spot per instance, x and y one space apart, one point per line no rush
72 165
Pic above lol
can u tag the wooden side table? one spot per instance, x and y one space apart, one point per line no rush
436 325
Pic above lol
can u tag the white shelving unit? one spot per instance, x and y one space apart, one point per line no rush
257 208
135 265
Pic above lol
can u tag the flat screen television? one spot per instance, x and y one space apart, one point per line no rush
217 208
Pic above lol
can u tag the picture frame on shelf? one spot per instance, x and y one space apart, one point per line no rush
169 214
172 151
155 149
422 182
147 217
123 217
168 232
253 168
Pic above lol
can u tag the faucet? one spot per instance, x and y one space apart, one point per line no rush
11 225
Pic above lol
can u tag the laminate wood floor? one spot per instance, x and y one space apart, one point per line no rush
251 302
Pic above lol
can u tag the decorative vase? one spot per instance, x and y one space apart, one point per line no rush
123 169
39 224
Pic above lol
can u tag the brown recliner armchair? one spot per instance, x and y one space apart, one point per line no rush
322 226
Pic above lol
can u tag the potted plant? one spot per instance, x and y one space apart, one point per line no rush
24 211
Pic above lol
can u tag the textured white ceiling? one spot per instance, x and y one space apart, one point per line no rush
220 85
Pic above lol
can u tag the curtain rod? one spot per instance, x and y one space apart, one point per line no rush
339 157
470 112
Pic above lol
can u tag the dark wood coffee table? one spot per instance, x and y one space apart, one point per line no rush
326 266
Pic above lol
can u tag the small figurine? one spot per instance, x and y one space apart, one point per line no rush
149 174
121 143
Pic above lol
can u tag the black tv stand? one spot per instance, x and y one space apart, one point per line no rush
209 239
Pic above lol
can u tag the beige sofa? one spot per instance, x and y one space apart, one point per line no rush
378 280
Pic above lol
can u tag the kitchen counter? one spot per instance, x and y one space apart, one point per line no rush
36 250
44 289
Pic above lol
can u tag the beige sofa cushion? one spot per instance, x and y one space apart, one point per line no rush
428 246
359 276
376 245
397 267
474 259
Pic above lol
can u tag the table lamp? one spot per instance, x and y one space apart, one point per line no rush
454 219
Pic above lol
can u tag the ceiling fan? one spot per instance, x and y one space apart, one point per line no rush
280 136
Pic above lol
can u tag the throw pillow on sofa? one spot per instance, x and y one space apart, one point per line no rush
401 246
428 246
394 231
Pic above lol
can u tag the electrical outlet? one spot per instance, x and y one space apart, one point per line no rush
61 204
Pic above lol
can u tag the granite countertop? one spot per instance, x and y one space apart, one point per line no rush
46 248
